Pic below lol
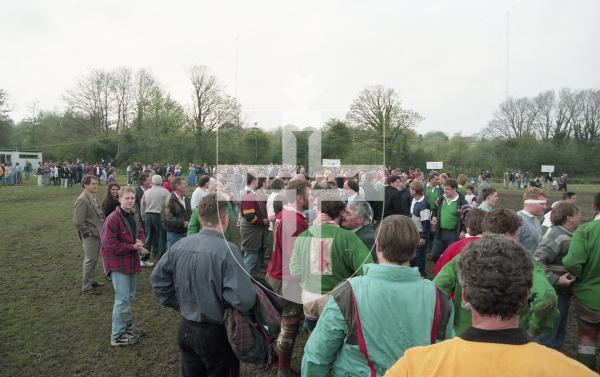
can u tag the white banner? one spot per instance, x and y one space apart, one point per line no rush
547 169
435 165
331 163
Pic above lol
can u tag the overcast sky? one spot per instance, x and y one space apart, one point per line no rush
304 62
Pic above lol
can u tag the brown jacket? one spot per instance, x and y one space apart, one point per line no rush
87 216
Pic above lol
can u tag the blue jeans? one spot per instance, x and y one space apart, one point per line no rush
172 238
122 318
251 261
556 337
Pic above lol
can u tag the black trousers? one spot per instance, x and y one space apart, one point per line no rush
442 240
205 351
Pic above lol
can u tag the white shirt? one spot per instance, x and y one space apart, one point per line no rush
547 223
270 208
197 195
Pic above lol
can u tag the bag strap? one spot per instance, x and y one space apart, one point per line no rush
362 345
436 317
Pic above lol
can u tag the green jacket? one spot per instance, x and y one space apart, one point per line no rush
396 310
194 224
583 261
538 319
324 255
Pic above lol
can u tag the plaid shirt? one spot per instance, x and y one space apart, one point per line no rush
117 244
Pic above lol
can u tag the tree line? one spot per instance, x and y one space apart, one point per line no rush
128 116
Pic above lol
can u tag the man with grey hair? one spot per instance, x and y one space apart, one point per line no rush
151 206
356 217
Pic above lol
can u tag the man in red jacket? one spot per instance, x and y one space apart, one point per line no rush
122 243
288 224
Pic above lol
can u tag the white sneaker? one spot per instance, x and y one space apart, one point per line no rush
146 263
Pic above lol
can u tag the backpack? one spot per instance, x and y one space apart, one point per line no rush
251 336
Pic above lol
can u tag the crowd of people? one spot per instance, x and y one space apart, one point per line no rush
347 253
11 175
519 180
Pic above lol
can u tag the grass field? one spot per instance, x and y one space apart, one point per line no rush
50 329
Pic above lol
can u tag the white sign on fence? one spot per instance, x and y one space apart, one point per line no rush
331 163
547 168
435 165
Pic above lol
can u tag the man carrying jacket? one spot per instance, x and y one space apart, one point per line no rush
198 277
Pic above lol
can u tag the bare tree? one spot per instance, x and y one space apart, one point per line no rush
574 111
92 97
211 106
379 109
514 119
545 104
561 119
4 108
144 85
121 87
590 115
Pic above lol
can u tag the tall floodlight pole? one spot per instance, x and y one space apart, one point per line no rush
507 52
235 75
237 62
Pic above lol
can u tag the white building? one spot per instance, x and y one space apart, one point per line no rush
14 155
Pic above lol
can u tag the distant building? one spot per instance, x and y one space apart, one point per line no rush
14 155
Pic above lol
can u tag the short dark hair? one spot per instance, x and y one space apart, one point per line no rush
470 187
249 179
487 192
211 209
277 184
496 274
144 177
353 184
87 179
203 180
332 204
474 220
596 202
392 178
433 174
261 181
451 182
397 235
568 195
501 221
562 211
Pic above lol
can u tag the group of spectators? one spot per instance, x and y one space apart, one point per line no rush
12 175
195 171
520 180
347 253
